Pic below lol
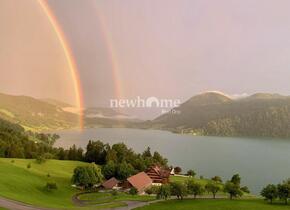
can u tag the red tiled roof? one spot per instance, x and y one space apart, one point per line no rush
140 181
109 184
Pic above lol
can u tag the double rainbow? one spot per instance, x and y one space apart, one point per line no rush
71 60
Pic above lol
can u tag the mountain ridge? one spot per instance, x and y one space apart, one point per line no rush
258 115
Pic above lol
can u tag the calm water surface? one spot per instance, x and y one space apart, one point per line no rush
258 161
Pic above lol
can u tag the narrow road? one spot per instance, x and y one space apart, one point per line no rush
15 205
134 204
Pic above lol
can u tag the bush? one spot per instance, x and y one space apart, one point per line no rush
48 156
245 189
40 159
163 192
133 191
217 179
177 170
51 186
114 193
191 173
28 165
153 190
149 191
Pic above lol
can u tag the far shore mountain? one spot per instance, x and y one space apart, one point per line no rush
216 114
210 113
49 114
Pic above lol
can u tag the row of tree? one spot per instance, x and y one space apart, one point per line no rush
272 192
192 187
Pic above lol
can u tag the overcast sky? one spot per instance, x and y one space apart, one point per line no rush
163 48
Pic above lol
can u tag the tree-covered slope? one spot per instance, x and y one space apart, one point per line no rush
215 114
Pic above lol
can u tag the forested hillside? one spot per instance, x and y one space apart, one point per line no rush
266 115
16 142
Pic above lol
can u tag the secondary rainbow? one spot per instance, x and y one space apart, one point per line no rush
68 55
112 54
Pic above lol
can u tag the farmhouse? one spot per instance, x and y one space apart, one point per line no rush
111 184
158 175
140 181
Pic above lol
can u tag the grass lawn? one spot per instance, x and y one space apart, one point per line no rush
218 204
19 183
183 179
107 197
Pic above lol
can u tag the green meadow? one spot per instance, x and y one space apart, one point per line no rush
28 185
183 179
18 182
218 204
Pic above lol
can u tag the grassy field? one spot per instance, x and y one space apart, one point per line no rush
183 179
218 204
107 197
27 185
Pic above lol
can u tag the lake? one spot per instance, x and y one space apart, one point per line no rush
258 161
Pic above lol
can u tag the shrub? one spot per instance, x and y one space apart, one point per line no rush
133 191
48 156
217 179
40 159
51 186
28 165
245 189
163 192
177 170
114 193
154 189
149 191
191 173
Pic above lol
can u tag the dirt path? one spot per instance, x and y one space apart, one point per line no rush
15 205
